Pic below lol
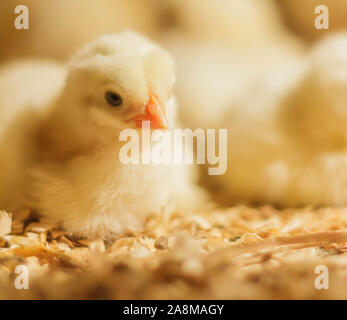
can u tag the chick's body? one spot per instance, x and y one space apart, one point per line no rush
69 169
26 91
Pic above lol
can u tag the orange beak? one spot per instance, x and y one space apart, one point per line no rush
154 113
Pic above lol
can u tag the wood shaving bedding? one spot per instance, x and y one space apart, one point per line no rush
234 253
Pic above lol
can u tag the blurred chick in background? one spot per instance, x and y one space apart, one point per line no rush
224 49
59 143
235 74
295 153
313 118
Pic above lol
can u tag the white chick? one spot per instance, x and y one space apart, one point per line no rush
315 114
232 72
73 168
213 82
313 121
255 145
295 153
26 87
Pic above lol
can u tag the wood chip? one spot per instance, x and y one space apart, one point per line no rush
3 243
54 233
161 243
97 245
38 227
63 239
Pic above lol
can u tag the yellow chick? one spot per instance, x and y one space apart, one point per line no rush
64 163
315 114
313 120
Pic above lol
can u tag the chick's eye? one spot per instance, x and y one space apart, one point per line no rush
113 99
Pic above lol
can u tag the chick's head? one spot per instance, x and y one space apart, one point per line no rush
120 80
